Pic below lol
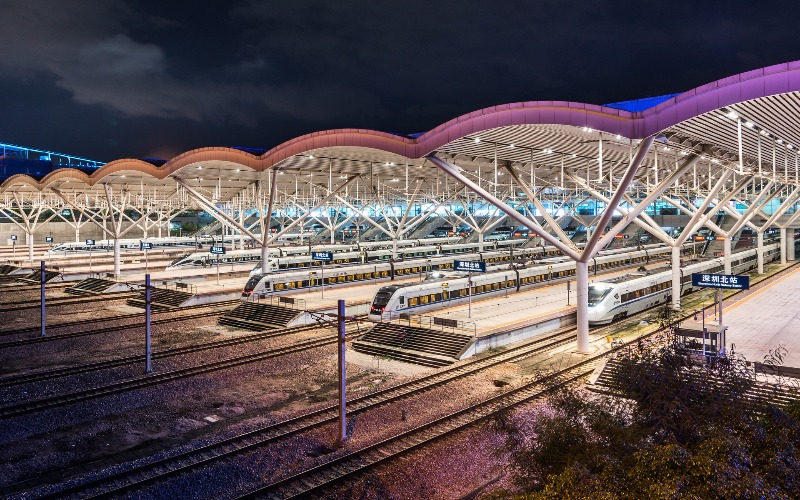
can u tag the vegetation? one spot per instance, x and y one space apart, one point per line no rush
672 427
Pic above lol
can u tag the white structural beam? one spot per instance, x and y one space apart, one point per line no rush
551 224
215 212
455 172
592 246
332 192
649 199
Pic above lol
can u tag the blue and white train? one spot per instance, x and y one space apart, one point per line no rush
392 300
263 284
617 298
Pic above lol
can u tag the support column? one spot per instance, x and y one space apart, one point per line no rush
791 244
394 248
784 246
480 241
676 277
726 253
29 240
116 257
582 275
760 252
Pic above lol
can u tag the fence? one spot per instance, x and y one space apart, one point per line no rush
278 300
432 323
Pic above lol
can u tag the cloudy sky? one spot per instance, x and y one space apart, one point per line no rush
109 79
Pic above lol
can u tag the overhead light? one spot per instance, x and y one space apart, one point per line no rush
511 146
199 167
395 180
477 140
732 115
619 136
238 169
764 133
749 124
789 146
343 177
574 155
780 141
547 151
666 148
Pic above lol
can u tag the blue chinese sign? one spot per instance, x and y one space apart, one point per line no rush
144 245
48 239
322 256
218 250
726 281
89 243
471 266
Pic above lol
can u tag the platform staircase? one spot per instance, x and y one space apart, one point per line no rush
254 316
36 277
90 286
603 381
411 344
161 299
6 269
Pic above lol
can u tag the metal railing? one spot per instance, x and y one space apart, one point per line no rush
278 300
432 323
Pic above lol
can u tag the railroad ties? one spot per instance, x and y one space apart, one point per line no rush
412 344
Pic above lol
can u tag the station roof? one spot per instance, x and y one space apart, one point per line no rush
539 138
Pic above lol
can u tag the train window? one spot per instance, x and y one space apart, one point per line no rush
423 299
402 299
278 286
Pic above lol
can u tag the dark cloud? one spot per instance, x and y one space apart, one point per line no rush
113 78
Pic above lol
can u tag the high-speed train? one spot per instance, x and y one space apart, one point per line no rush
617 298
278 261
260 284
124 244
419 298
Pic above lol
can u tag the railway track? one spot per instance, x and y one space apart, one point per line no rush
30 407
126 482
31 304
128 360
91 321
317 479
164 469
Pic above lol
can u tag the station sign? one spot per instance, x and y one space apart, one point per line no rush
48 239
13 237
217 250
89 243
724 281
470 266
145 245
322 256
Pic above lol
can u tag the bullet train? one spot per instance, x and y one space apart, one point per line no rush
260 285
204 258
124 244
364 256
617 298
432 295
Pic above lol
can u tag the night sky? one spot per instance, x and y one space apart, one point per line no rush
110 79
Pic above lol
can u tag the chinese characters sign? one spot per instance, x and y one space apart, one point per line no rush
470 266
726 281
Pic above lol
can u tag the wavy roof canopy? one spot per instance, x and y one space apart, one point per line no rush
549 135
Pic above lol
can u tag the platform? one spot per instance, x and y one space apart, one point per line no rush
769 317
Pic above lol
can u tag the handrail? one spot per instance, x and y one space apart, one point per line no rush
432 322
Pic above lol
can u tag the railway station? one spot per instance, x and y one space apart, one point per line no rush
505 231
